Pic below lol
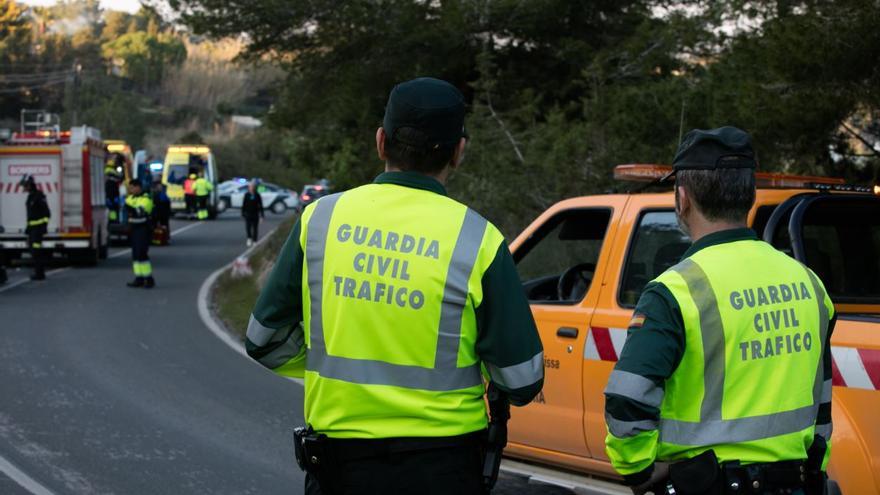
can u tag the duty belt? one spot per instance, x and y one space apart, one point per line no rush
763 477
350 449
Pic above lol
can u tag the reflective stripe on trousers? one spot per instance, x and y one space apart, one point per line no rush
712 429
445 375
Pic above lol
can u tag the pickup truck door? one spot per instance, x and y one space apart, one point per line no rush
568 242
648 242
838 237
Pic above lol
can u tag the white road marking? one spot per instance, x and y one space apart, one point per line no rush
25 280
121 252
217 328
23 480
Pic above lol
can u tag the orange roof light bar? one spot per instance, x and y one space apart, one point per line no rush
117 147
637 172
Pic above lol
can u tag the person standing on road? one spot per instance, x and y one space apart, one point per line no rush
189 193
390 298
202 189
37 225
252 211
139 207
161 213
726 371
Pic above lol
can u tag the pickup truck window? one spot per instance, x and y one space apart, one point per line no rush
557 263
657 244
841 243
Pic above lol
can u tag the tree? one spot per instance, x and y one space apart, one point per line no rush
143 57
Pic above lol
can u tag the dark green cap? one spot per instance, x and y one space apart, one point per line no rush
713 149
430 105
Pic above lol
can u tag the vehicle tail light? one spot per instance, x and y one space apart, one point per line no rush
306 197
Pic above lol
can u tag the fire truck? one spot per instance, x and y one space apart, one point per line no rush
68 167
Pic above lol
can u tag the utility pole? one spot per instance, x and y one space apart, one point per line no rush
77 72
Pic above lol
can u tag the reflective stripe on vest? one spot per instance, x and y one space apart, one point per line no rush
712 429
445 375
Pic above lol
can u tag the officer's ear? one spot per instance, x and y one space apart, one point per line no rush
458 154
380 144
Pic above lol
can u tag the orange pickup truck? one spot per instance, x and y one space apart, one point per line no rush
585 261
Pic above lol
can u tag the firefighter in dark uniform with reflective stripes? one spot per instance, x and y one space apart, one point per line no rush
139 207
724 383
37 225
392 300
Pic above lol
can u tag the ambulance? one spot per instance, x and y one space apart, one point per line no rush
68 166
181 160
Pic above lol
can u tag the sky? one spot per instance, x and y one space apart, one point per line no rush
126 5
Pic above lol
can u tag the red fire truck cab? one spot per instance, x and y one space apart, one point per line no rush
68 167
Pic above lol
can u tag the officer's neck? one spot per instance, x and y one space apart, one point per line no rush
440 177
700 227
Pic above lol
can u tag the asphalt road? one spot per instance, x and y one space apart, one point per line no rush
106 389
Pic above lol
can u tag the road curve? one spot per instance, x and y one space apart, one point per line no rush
111 390
107 389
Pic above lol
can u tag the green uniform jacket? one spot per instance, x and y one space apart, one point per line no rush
655 346
506 331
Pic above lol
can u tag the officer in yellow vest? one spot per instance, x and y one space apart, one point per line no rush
724 384
139 207
202 189
396 302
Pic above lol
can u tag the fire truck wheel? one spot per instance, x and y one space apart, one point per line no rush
103 246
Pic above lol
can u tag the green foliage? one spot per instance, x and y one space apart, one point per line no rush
560 91
263 153
144 57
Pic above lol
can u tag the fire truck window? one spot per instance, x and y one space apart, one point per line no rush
657 244
568 244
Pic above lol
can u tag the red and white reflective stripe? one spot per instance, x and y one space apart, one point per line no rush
604 344
851 367
855 368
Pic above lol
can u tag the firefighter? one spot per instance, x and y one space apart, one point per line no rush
139 207
724 384
189 193
37 224
400 311
202 188
3 276
112 180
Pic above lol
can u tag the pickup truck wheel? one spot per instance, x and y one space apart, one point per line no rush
279 207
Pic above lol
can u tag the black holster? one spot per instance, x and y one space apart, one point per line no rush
698 475
496 437
313 454
816 479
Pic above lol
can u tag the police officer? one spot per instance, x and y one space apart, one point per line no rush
724 384
138 207
202 188
389 298
37 225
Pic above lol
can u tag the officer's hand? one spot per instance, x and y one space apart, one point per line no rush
661 473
